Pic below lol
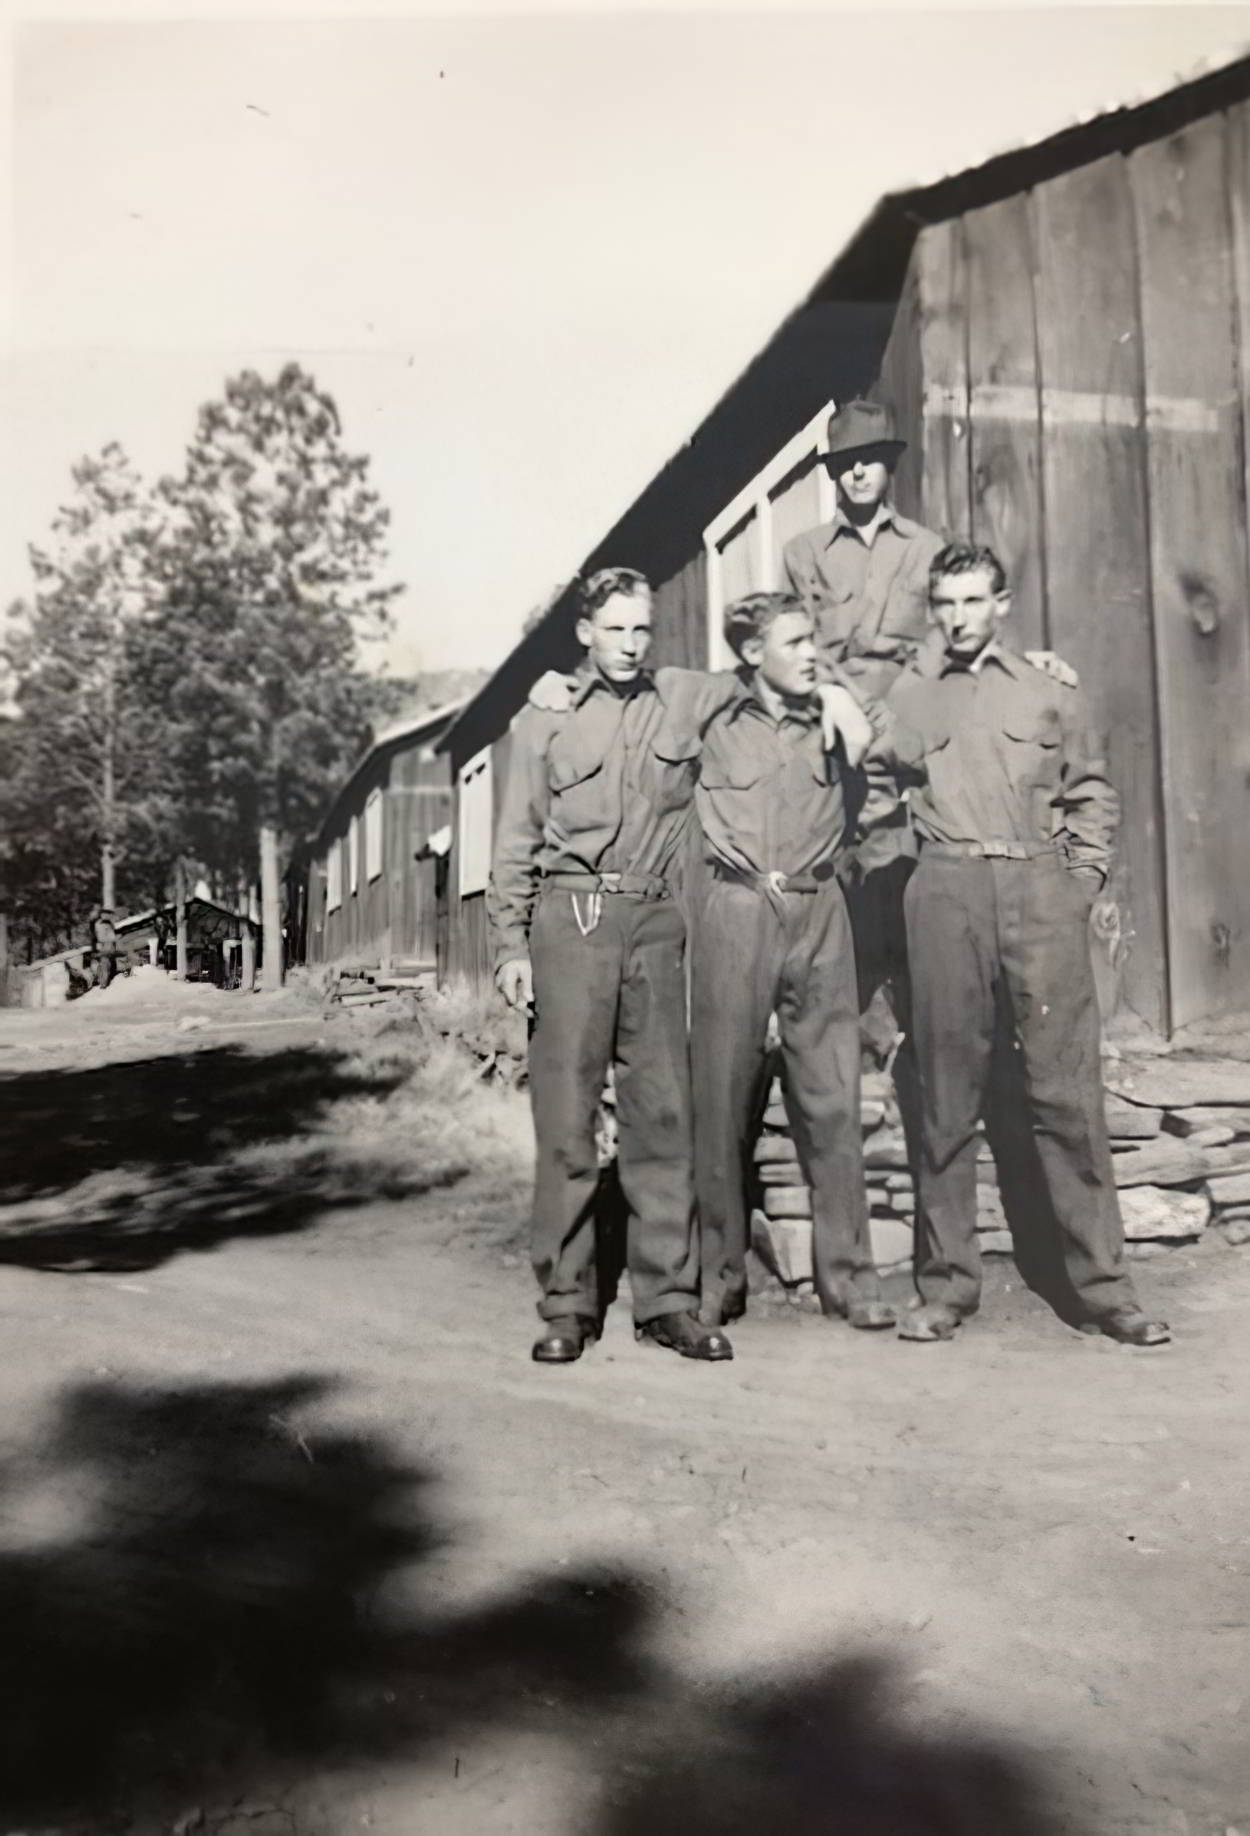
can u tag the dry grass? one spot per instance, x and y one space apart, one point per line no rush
440 1125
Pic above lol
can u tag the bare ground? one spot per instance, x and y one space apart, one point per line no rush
296 1539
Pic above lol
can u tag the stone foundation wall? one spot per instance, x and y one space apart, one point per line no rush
1180 1138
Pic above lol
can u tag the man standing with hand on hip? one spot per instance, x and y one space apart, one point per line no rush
1015 818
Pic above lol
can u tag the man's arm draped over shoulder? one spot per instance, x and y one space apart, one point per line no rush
513 884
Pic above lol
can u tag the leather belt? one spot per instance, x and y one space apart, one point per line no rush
820 876
986 851
631 885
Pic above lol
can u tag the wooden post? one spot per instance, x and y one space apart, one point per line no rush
270 912
180 969
247 955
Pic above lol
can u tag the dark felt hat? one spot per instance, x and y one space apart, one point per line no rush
856 425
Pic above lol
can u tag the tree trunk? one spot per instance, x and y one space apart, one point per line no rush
108 790
180 969
270 912
247 957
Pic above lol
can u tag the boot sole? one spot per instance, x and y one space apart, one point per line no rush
716 1357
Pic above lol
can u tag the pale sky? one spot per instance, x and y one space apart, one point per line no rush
525 253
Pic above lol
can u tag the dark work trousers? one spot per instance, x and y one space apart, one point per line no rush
755 955
613 996
979 929
879 928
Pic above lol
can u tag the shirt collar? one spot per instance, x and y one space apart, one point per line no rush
747 697
890 519
994 652
588 680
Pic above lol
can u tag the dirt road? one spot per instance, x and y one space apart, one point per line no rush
295 1537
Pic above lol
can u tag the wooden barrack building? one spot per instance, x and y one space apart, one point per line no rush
1064 334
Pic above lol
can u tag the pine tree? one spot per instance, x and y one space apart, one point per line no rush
82 798
272 579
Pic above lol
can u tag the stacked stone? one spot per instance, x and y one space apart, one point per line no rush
1179 1166
1180 1138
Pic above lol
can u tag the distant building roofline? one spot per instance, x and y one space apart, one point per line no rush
412 727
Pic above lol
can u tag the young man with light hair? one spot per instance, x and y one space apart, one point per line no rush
590 940
1014 816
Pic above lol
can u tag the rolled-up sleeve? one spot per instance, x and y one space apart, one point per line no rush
513 885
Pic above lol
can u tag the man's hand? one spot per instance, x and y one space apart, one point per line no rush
841 715
515 982
552 692
1054 667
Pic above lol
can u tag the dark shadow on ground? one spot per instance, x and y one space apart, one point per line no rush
215 1630
175 1124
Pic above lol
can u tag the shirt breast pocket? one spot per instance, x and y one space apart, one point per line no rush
731 774
575 775
1032 747
675 760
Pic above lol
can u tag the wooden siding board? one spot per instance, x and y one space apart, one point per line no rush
1239 210
1004 405
1198 558
900 387
941 273
681 616
1097 531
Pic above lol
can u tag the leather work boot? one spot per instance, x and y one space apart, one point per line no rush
868 1315
1132 1327
564 1340
684 1334
927 1324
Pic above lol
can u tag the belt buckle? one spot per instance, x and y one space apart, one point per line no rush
610 882
777 882
994 851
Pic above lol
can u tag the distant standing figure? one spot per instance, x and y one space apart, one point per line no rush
104 946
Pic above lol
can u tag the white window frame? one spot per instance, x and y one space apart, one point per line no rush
334 876
475 822
755 499
353 855
373 836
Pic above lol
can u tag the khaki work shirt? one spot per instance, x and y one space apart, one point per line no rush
1001 755
605 786
869 602
770 798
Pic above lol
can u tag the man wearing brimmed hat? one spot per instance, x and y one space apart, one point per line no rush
864 579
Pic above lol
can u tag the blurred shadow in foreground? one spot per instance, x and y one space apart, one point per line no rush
829 1753
126 1165
191 1600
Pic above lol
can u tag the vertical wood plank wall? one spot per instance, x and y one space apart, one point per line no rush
1085 353
1194 415
1004 411
1098 532
942 272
